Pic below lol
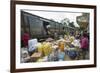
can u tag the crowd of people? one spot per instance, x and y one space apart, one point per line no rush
71 46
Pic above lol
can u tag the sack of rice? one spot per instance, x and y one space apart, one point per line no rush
47 48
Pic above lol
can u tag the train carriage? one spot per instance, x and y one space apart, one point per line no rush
40 28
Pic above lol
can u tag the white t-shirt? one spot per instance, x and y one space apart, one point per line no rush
76 42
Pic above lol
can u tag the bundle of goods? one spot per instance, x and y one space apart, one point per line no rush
40 48
47 48
44 48
35 56
24 55
53 56
72 54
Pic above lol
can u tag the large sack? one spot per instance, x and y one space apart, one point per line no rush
47 48
72 54
40 47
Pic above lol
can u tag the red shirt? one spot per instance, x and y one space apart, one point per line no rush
25 39
84 43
